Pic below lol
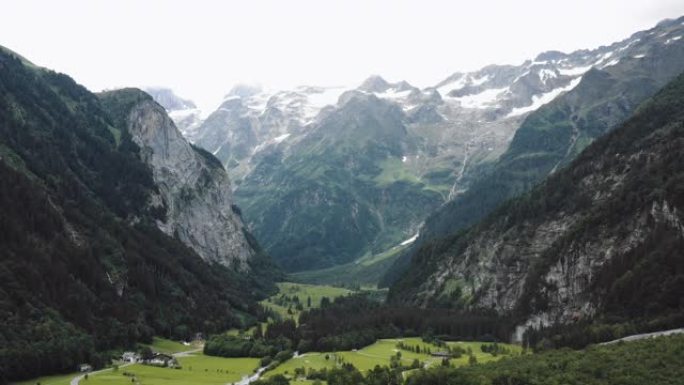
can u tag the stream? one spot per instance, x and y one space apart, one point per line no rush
246 380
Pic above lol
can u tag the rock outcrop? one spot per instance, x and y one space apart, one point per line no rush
194 189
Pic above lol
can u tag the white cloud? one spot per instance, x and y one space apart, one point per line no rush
201 48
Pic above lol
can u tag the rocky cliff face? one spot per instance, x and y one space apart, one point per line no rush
585 244
194 189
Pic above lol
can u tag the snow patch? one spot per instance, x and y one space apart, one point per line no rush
393 93
404 159
445 89
611 63
269 142
540 100
479 81
639 56
482 100
410 240
574 71
232 97
605 57
546 74
280 138
521 76
628 45
670 40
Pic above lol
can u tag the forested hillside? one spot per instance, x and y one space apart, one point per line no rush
83 268
599 241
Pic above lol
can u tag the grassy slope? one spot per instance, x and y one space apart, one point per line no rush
380 352
58 379
303 291
365 271
162 345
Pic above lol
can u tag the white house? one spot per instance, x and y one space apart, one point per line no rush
130 357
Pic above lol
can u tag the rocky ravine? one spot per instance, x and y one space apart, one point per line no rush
193 188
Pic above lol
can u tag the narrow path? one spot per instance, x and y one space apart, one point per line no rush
77 379
644 336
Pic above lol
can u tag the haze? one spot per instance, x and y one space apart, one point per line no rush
201 48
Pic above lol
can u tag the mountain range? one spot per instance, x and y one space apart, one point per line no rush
544 198
376 165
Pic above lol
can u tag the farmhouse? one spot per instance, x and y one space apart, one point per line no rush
163 360
130 357
85 368
441 354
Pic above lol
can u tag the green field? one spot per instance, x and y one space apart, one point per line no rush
200 369
380 352
196 369
365 271
59 379
162 345
303 292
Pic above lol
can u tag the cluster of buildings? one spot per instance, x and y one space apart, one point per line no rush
157 359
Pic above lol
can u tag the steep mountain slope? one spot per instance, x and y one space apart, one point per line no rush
326 200
251 119
553 135
194 190
84 267
455 149
601 240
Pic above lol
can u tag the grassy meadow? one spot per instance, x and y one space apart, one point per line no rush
196 369
59 379
199 369
162 345
380 353
365 271
281 302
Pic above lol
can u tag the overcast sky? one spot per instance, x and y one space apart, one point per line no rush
201 48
